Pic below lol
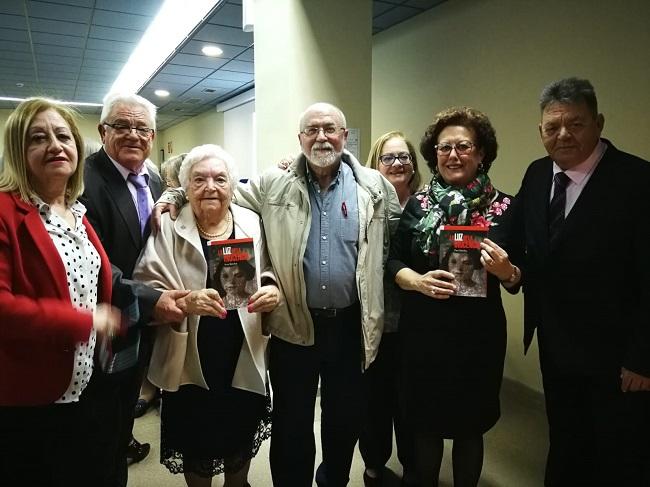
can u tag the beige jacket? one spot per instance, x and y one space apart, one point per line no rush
282 200
173 259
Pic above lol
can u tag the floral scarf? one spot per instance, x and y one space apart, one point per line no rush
448 205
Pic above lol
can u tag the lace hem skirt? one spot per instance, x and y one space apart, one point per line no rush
208 434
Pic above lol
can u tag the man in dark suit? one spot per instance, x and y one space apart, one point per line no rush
581 216
119 194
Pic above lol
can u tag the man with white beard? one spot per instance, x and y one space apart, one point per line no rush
327 221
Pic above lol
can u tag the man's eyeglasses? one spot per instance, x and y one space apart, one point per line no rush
123 129
463 147
329 131
389 159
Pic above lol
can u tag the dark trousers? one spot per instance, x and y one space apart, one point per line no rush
60 445
336 358
127 384
383 412
599 436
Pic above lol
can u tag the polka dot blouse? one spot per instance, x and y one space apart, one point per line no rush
82 263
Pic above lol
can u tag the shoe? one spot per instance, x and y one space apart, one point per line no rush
136 451
142 406
369 481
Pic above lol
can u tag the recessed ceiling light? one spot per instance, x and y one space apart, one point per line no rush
20 85
212 51
161 93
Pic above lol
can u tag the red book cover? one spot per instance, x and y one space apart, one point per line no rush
232 270
460 254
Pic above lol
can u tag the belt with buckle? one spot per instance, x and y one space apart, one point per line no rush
330 312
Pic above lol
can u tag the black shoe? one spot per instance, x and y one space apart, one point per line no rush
369 481
136 451
142 406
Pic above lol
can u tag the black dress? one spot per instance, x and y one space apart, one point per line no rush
453 350
211 431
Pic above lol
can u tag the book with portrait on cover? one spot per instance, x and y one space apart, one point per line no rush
460 254
232 270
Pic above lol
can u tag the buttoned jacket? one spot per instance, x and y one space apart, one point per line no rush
282 200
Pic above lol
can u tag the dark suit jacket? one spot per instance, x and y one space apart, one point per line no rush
113 213
39 327
114 217
589 297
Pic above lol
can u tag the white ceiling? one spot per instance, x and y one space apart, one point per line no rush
74 50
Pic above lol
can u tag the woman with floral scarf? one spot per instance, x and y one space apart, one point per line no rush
453 346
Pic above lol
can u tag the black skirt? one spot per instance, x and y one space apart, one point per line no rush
207 432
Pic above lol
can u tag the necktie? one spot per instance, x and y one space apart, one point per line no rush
141 186
557 207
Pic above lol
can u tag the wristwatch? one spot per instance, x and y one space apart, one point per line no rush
514 277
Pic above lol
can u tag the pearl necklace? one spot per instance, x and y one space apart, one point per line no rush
214 236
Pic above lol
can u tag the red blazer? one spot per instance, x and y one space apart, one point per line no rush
38 325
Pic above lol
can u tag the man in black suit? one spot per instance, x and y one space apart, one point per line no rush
582 214
119 194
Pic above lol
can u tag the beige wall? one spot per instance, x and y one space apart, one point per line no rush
325 56
496 55
206 128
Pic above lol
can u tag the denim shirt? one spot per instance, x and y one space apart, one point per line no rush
332 247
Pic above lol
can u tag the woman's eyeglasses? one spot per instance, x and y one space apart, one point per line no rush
463 147
389 159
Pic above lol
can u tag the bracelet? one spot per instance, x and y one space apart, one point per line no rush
514 277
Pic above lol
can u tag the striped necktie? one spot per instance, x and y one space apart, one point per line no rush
557 207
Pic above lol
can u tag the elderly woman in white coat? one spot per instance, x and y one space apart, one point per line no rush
212 366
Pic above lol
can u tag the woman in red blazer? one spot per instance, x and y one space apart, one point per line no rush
56 410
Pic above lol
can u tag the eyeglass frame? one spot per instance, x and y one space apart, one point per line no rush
455 147
393 158
120 128
334 133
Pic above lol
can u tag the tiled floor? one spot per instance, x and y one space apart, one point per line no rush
515 450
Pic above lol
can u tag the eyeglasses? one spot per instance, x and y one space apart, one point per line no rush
329 131
123 129
389 159
463 147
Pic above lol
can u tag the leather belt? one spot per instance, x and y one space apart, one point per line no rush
331 312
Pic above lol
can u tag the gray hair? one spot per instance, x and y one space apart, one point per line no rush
322 107
570 91
171 167
208 151
118 98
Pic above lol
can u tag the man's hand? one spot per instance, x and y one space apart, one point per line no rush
633 382
166 309
156 214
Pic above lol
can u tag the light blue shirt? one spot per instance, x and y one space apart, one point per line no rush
332 247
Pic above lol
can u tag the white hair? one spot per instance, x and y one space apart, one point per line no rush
208 151
118 98
322 107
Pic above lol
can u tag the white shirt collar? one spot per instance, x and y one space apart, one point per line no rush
125 172
577 174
